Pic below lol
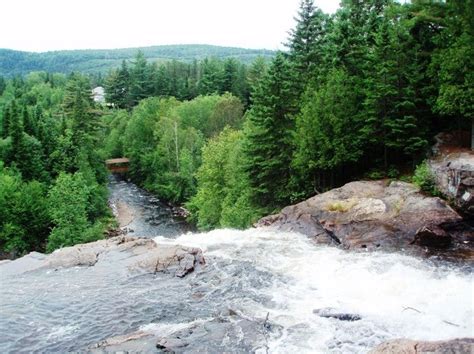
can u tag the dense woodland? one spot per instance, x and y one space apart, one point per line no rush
358 94
98 61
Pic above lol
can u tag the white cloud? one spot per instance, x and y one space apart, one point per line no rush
78 24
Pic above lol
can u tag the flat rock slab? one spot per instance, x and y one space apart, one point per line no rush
376 215
133 255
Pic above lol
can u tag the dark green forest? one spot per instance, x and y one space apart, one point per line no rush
99 61
357 94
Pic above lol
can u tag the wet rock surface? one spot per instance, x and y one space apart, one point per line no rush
332 313
136 255
407 346
374 215
256 293
227 333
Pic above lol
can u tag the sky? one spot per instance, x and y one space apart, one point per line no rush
44 25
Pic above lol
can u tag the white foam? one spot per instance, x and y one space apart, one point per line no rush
396 295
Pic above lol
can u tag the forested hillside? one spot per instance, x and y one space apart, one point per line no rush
52 178
14 62
358 94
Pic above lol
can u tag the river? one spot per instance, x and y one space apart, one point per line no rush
259 274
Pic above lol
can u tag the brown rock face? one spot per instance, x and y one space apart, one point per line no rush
432 237
374 214
406 346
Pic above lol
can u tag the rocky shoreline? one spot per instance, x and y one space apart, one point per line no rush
379 215
360 216
137 256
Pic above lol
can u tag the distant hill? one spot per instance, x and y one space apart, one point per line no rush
13 62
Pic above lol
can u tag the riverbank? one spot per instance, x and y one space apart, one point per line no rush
140 213
259 290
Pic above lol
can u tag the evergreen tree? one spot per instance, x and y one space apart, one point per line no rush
307 42
229 80
29 123
3 85
268 146
329 134
78 106
117 87
6 119
141 85
16 132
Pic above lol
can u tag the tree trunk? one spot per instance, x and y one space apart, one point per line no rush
176 144
472 135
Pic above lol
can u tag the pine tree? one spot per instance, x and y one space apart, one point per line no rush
329 133
78 106
29 123
141 85
122 87
16 132
268 146
307 42
6 118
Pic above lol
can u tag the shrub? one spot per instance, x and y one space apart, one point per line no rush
425 179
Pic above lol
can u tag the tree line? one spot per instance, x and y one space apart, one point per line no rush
132 82
358 94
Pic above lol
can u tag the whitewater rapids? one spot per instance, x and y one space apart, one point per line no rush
254 273
395 295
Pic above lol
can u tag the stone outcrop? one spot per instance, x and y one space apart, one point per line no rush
376 215
406 346
454 177
136 255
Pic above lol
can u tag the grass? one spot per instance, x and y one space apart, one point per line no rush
341 206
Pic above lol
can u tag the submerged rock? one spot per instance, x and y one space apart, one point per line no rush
135 254
331 313
376 215
407 346
229 334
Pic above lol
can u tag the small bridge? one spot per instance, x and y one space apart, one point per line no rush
119 165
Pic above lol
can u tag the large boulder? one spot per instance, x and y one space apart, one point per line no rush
454 177
136 255
376 215
407 346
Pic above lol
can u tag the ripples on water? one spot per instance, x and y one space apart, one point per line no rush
253 272
152 217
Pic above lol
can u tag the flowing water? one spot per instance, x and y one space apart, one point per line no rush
255 273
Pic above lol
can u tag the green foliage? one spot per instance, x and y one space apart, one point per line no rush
328 133
163 138
93 61
359 93
223 198
268 135
24 222
68 202
424 178
50 127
